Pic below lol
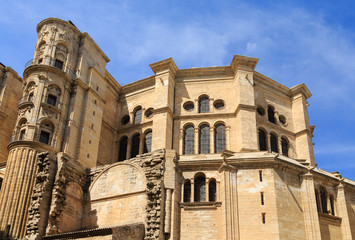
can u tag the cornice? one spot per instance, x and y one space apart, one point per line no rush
38 68
140 84
58 21
210 72
243 63
266 82
32 144
166 64
300 89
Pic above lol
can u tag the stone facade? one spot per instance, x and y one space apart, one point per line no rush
203 153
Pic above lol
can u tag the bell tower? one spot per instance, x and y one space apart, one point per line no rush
41 121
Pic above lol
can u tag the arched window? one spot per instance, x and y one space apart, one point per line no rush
53 93
271 114
135 145
203 105
204 139
40 51
317 200
273 143
262 140
323 199
148 142
0 182
200 189
219 138
187 191
46 132
212 190
61 53
122 155
137 115
284 146
331 202
189 139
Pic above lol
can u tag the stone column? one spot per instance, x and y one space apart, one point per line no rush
129 147
212 150
192 190
228 145
343 213
230 201
196 140
141 144
211 105
16 190
181 142
207 190
310 213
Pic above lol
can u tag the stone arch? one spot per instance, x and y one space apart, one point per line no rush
118 196
73 208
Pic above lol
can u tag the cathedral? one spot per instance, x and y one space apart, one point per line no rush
213 153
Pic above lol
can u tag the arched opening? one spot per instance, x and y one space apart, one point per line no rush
187 191
200 188
271 114
0 183
53 93
148 142
135 145
122 155
137 115
189 139
262 140
284 146
203 104
317 200
331 202
61 54
204 139
219 138
46 132
323 199
273 143
212 190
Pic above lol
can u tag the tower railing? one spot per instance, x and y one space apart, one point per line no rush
53 63
26 99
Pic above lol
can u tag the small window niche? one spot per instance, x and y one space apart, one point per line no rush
51 100
58 64
189 106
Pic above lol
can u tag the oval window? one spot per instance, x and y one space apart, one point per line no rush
261 111
125 119
149 113
189 106
218 104
282 119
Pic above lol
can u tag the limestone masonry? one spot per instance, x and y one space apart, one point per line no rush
216 153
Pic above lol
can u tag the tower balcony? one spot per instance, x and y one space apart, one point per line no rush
52 63
25 101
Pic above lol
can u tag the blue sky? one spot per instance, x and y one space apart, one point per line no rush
296 41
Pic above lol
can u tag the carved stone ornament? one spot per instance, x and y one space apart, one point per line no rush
42 77
23 111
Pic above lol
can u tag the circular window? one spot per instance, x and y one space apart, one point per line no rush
189 106
149 113
282 119
218 104
125 119
261 111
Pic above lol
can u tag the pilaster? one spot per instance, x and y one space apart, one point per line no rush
310 213
243 68
165 72
343 213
